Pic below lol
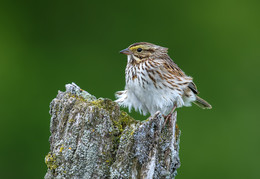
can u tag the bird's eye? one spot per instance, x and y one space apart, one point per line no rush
139 49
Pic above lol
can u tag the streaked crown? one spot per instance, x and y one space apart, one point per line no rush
144 50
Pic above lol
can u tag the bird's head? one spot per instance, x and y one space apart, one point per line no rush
142 50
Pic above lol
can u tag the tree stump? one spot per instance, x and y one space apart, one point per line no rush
93 138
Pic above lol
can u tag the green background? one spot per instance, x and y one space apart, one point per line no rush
47 44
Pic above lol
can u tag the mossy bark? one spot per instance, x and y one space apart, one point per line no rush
92 138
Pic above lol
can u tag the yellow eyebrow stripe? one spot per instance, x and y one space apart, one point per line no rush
136 47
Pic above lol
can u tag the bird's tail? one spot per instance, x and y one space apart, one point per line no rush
202 103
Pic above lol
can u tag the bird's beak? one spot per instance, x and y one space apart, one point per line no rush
126 51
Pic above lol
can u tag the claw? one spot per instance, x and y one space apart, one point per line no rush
169 115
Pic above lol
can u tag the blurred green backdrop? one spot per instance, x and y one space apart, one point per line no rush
47 44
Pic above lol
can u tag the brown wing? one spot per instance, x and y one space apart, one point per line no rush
193 88
176 71
171 67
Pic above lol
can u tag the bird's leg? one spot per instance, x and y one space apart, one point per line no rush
170 114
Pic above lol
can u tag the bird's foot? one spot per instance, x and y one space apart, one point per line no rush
169 115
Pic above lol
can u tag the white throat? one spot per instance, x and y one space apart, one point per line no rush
128 58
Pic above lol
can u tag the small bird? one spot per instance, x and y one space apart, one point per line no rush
155 83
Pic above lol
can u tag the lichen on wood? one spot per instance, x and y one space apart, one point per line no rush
93 138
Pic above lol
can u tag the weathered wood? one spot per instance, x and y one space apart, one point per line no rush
92 138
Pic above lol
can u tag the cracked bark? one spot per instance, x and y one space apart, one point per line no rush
92 138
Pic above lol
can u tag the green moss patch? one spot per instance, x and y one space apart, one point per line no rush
50 161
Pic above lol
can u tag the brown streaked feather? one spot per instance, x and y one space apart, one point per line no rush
152 78
193 88
170 66
175 69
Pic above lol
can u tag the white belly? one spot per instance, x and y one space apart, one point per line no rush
152 96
